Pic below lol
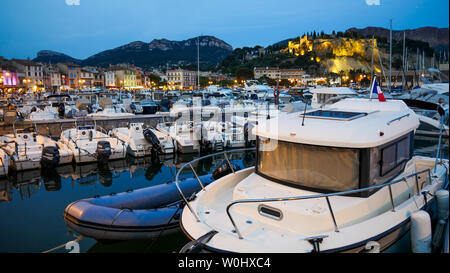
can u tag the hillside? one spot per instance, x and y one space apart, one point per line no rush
48 56
158 52
436 37
337 53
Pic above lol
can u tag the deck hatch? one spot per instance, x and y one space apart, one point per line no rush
334 115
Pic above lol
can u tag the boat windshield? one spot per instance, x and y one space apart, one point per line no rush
326 169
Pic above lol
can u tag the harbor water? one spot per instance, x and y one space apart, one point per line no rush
32 202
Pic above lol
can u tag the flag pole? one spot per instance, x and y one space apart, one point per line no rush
371 88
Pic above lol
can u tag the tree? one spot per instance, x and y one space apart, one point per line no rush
244 73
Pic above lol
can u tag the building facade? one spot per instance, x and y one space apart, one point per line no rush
110 79
52 77
31 74
181 79
276 73
71 75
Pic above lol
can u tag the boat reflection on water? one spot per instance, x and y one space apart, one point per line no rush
24 192
165 242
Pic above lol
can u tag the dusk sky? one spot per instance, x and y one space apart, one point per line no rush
28 26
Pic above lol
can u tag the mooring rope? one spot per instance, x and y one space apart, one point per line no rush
63 245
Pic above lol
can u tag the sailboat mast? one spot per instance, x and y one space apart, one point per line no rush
390 53
371 65
198 63
403 66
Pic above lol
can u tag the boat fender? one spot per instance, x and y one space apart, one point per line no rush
371 247
91 135
442 204
421 232
50 157
103 151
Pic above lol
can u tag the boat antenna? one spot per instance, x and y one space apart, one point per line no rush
390 54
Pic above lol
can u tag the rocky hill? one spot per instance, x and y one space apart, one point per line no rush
157 52
48 56
436 37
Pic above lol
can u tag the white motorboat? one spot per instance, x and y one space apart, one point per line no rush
28 150
90 145
142 141
345 178
232 134
183 134
46 114
4 162
112 111
430 124
211 138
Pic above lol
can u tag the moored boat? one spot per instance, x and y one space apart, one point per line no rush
330 180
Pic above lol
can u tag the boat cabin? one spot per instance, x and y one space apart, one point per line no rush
352 144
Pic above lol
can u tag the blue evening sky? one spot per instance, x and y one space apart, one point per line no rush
80 31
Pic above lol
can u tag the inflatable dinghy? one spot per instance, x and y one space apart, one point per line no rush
138 214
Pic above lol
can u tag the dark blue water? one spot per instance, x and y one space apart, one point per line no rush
32 203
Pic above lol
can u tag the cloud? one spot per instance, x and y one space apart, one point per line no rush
373 2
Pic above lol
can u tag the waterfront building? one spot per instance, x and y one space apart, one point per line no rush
181 79
72 74
276 73
99 79
139 77
52 77
110 79
124 75
9 76
86 78
32 74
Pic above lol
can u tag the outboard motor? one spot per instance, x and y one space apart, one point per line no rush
89 108
103 151
153 139
61 110
247 131
133 108
50 157
224 169
201 134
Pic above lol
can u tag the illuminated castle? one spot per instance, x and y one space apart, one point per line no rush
338 54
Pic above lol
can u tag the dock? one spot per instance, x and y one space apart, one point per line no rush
54 128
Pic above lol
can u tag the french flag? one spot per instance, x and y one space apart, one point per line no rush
376 89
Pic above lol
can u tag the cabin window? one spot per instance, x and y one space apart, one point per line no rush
327 169
394 155
382 164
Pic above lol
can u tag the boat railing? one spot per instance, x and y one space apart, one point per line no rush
327 195
196 175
